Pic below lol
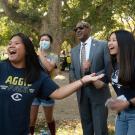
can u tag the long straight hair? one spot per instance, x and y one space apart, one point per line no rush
126 45
32 66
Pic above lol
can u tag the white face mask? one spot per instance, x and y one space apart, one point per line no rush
44 45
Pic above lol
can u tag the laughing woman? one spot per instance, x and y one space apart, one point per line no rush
22 79
122 50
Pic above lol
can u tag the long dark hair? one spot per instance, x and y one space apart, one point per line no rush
32 66
126 45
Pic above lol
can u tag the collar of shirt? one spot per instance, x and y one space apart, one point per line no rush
87 47
88 41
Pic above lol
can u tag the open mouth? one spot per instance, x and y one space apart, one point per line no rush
12 52
111 48
78 34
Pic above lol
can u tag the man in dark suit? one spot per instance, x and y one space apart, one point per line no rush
91 98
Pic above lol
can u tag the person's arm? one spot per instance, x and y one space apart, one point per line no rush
71 74
72 87
71 71
119 105
99 84
49 65
132 102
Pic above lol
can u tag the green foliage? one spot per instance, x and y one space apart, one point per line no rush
33 8
4 31
8 28
103 15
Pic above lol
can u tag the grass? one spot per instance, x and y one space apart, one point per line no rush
68 127
73 127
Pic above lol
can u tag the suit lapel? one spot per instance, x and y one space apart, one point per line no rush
92 49
78 58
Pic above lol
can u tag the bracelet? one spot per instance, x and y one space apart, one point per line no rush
82 82
131 105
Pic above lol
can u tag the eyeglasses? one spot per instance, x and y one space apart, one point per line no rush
80 28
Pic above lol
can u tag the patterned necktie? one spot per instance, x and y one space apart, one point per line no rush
83 56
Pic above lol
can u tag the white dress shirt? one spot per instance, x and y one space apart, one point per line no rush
87 48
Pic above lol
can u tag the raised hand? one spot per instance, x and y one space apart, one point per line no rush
92 77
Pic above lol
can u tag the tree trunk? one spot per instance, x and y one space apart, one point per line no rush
52 24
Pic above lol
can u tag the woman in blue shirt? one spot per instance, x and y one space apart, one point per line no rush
21 80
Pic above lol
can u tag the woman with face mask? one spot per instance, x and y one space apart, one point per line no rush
48 61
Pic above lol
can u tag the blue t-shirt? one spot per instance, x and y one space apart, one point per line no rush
127 91
16 97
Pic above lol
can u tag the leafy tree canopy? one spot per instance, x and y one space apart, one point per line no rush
59 17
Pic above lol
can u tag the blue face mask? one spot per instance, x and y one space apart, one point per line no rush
44 45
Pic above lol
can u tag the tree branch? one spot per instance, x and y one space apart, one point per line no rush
19 17
67 6
104 5
2 14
